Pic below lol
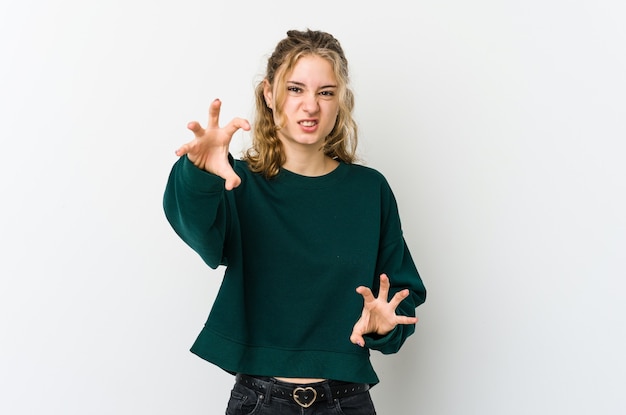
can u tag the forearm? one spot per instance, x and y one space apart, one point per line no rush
195 205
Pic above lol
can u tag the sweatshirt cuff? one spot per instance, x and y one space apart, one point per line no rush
378 342
391 342
200 180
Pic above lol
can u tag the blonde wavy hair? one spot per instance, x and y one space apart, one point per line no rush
265 154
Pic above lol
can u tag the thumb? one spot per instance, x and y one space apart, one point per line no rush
357 339
232 181
357 335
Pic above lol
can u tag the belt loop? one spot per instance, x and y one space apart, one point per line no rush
328 392
269 385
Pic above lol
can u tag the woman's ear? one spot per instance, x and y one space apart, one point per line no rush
267 93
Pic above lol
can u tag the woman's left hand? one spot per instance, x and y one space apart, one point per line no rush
379 315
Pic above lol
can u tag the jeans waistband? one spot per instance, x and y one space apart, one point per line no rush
304 395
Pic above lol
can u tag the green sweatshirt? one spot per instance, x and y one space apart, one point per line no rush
295 249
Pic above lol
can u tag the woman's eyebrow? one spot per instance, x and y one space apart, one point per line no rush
304 85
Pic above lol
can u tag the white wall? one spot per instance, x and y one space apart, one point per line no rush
500 125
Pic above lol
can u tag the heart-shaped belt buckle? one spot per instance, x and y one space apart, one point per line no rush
309 396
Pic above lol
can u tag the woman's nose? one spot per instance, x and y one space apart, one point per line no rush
311 104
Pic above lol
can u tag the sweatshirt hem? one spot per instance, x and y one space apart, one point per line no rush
237 357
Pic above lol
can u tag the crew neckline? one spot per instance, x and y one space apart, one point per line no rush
294 179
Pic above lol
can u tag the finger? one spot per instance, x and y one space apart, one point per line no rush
366 293
236 124
406 320
195 127
214 113
383 291
398 297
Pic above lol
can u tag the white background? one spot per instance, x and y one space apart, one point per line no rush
500 125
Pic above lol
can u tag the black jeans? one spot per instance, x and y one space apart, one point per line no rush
246 400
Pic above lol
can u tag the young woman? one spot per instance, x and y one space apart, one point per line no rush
317 269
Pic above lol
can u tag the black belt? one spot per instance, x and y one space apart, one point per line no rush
303 395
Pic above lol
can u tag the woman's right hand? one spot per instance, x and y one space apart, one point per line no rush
210 147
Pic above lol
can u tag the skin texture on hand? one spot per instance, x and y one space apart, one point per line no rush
379 314
209 148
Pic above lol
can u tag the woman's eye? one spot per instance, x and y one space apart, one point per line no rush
294 89
327 93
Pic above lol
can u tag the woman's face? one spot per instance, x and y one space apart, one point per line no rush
311 104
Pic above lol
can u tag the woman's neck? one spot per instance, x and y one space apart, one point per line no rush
310 165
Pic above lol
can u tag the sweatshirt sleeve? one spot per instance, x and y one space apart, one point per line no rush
394 259
196 206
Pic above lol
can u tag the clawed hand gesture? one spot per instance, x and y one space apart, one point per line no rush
379 315
210 147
